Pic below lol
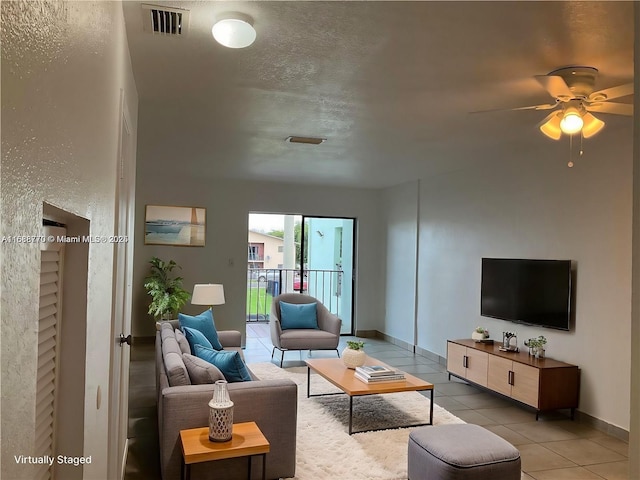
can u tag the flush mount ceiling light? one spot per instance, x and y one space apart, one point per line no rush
235 30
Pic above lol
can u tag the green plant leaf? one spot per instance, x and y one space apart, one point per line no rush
166 292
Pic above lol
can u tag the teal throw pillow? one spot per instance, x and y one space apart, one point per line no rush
204 323
196 337
228 362
298 315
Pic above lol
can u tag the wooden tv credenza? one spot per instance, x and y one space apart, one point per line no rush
544 384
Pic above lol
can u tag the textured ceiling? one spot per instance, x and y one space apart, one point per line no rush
389 84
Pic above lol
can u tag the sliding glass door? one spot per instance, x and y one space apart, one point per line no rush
327 264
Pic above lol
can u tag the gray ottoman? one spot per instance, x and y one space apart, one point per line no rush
461 452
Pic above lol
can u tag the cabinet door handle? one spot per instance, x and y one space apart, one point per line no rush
510 380
465 361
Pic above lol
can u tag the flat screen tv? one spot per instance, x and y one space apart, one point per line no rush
532 292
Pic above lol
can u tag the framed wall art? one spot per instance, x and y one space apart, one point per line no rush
178 226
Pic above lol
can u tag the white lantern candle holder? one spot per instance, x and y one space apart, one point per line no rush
220 414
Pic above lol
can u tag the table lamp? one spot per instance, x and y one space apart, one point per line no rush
208 294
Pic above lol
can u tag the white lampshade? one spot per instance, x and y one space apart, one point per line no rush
234 32
208 294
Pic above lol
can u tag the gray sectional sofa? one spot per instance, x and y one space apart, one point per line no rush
272 404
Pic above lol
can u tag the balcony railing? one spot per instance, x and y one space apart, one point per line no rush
265 284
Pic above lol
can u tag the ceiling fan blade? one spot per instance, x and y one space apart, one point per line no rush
611 93
550 125
555 85
546 106
592 125
611 107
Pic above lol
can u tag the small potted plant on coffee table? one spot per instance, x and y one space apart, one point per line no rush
353 356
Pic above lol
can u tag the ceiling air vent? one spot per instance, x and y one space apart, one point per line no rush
307 140
165 20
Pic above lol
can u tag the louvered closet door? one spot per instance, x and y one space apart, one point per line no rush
47 357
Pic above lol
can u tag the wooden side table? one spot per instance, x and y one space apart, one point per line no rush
247 441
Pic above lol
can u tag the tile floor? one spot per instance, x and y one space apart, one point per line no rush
553 448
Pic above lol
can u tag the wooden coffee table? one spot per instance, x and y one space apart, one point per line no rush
247 441
335 371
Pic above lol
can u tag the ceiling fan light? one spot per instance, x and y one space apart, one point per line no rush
592 125
551 128
571 122
234 33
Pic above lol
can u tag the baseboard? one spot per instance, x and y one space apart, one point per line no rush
144 340
434 357
367 333
602 426
582 417
395 341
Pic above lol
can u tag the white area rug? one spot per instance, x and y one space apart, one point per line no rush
325 450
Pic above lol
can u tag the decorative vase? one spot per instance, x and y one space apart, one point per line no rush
220 413
353 358
540 352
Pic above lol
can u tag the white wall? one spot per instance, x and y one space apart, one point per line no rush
224 257
401 240
534 206
61 80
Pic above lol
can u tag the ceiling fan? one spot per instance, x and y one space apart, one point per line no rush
573 91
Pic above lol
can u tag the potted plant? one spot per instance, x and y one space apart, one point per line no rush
542 341
536 346
479 334
165 290
353 356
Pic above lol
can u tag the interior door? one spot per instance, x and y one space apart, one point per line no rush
121 308
327 264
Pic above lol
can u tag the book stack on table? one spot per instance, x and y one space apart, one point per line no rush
378 373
